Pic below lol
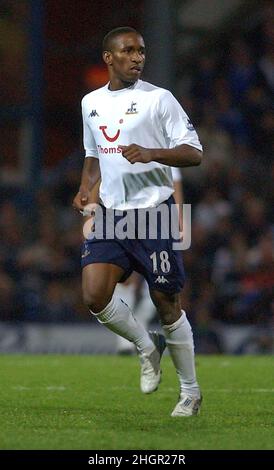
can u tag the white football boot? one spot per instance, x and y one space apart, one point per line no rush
187 405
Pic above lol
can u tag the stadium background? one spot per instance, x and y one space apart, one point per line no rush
218 59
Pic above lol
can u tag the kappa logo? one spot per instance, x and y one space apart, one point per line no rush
132 109
161 280
93 113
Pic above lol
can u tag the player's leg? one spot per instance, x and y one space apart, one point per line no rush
179 340
135 287
99 281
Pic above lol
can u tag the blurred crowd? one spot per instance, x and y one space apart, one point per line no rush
231 262
230 265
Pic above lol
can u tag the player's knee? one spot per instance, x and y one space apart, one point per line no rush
95 304
95 301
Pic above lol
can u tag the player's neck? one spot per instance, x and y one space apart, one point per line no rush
117 84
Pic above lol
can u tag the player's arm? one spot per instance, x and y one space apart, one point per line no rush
178 194
181 156
91 168
183 148
88 190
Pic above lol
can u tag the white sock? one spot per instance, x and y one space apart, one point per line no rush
117 317
179 341
127 293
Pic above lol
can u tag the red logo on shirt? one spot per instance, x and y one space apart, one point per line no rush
110 139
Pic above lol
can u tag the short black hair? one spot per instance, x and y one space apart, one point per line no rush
107 41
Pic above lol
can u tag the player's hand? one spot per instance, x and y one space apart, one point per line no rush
81 199
135 153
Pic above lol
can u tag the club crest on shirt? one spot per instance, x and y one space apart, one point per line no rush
132 109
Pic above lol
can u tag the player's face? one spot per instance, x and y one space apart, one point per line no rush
127 58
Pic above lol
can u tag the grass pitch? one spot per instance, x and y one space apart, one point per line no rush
94 402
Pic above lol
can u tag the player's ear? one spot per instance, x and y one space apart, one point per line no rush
107 57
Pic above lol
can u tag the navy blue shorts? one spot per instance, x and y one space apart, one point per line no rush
153 257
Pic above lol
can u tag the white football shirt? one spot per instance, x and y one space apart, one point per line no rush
176 174
142 114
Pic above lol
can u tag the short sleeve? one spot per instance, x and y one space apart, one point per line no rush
88 139
176 125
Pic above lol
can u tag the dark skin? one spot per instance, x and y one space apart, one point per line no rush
90 176
125 61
